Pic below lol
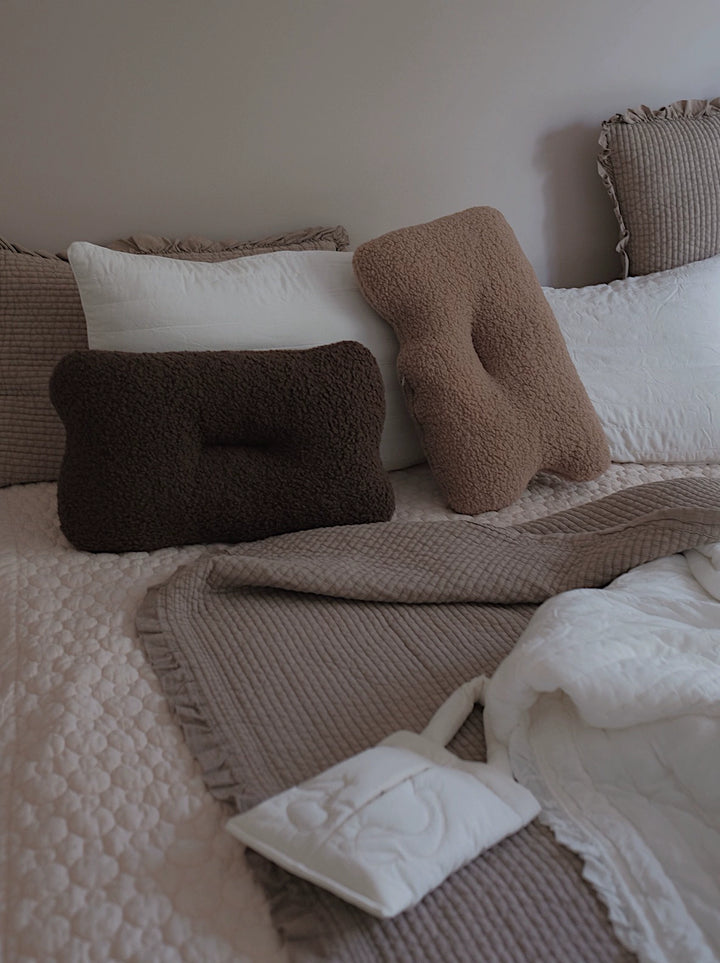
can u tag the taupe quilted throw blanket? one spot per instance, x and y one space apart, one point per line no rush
286 656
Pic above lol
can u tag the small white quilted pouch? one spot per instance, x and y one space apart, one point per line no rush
388 825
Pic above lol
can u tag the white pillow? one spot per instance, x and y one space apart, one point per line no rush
289 299
647 350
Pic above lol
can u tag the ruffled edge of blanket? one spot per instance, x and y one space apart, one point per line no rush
291 901
183 698
567 832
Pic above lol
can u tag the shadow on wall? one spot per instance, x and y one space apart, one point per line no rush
579 226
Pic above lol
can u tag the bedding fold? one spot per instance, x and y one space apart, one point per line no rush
609 708
284 657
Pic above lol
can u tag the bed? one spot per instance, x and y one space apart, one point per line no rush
113 847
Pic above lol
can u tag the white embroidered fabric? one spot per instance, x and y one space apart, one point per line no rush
386 826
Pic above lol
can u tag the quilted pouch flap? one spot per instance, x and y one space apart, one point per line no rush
388 825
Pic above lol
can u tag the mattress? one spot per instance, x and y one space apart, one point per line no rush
112 848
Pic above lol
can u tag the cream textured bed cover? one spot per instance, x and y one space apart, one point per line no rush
111 847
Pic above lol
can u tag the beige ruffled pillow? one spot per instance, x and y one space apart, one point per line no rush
662 171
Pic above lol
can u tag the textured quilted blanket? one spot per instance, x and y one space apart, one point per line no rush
285 657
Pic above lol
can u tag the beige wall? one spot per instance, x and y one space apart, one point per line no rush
239 117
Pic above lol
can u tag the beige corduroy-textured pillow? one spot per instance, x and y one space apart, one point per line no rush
662 171
484 366
41 319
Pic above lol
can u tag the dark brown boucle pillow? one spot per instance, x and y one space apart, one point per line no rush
484 366
41 319
183 447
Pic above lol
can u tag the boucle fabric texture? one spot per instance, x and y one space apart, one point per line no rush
284 657
41 319
662 171
175 448
482 361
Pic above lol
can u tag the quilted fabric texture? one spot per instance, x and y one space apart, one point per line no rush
484 366
336 829
111 849
661 169
41 319
647 350
110 845
174 448
211 641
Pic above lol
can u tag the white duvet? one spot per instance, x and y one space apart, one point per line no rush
610 708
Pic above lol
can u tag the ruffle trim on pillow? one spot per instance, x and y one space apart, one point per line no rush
679 108
312 238
634 115
21 249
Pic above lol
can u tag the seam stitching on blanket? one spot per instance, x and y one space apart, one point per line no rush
10 787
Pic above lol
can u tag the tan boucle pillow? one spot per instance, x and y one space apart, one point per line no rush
484 366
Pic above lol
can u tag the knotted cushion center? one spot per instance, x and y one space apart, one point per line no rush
175 448
483 364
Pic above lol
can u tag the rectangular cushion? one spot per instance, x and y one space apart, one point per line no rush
662 171
647 350
173 448
41 319
284 299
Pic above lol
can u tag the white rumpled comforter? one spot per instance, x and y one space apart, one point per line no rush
610 709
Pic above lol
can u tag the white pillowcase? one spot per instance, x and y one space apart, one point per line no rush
647 350
289 299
